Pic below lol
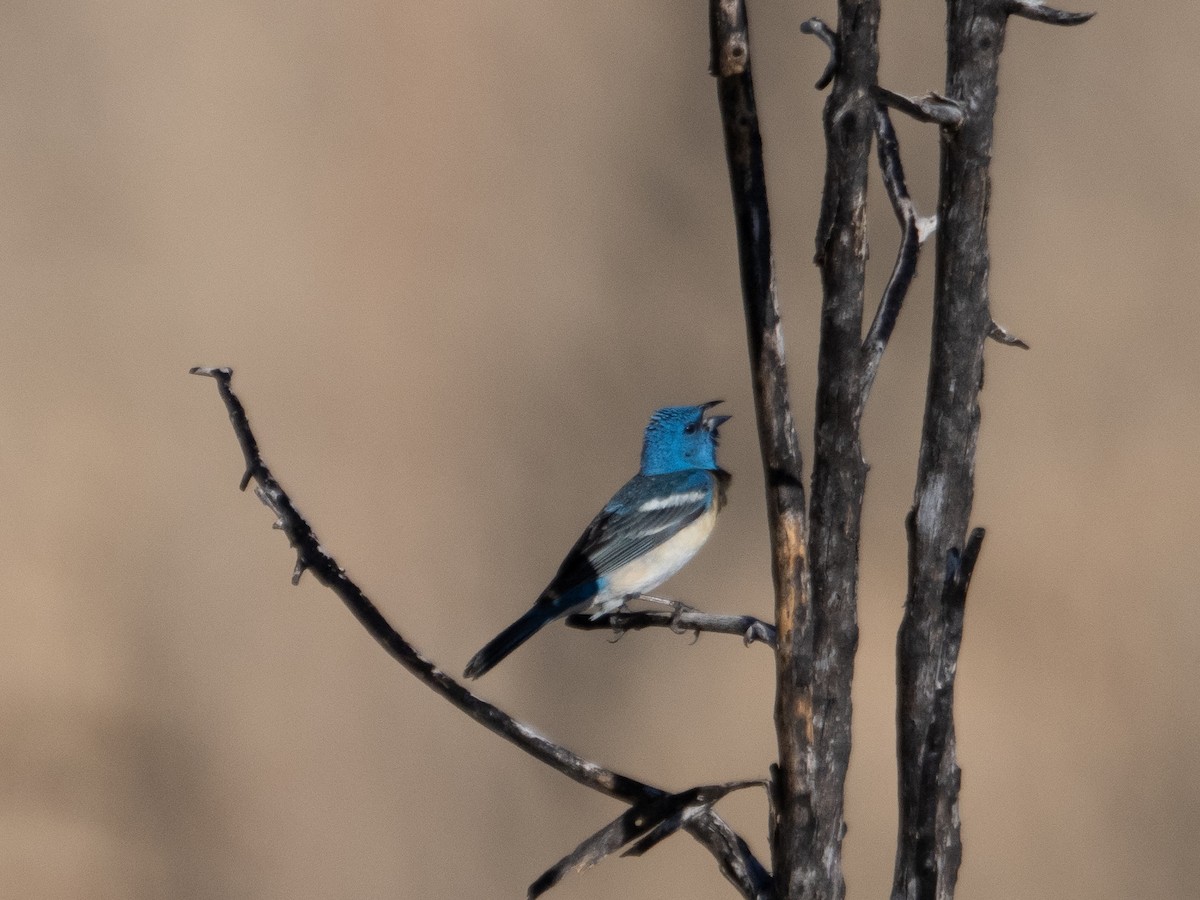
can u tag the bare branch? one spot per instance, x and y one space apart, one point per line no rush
931 107
817 27
839 470
1047 15
913 231
646 823
1001 335
733 856
793 821
929 843
683 621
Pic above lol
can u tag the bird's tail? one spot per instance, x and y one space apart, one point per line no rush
509 640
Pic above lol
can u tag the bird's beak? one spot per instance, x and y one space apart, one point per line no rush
712 423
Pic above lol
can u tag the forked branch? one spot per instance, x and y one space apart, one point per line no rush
733 856
640 828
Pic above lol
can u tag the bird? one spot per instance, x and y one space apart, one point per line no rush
645 534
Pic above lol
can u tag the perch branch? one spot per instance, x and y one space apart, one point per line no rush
688 620
733 856
792 822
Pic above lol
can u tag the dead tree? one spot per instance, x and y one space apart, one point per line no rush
814 537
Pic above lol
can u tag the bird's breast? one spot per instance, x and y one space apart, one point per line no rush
651 569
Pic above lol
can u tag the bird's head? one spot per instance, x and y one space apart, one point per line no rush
681 437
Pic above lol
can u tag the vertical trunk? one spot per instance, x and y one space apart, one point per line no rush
929 845
839 471
792 817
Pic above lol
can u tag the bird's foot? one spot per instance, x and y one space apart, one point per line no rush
679 609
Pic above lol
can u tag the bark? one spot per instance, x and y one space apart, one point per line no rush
793 824
941 556
839 470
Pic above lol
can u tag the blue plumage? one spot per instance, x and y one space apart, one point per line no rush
645 534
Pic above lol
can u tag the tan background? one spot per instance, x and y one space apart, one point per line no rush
457 253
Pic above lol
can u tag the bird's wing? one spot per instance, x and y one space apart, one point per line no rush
647 511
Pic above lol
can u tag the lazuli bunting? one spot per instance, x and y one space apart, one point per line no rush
645 534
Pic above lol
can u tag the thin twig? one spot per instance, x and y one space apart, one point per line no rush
817 27
736 861
1047 15
793 824
1002 335
931 107
913 232
750 629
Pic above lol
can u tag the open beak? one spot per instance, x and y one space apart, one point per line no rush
712 423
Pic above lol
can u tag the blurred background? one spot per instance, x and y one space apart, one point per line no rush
457 253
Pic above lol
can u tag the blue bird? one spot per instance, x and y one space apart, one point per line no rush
645 534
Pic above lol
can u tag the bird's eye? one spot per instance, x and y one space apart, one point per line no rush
690 428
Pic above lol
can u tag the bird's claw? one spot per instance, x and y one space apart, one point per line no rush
756 632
